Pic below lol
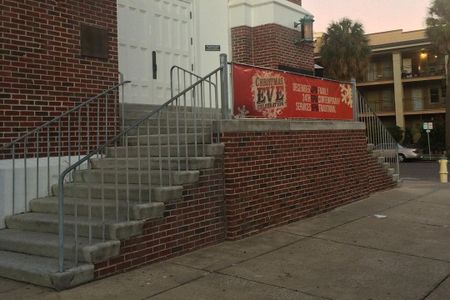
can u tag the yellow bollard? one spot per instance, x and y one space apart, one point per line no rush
443 171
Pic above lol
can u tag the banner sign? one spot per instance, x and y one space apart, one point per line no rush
262 93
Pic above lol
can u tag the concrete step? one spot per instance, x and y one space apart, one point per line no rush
109 230
182 122
381 159
386 165
172 139
391 171
191 163
43 271
109 176
174 151
396 177
130 107
180 113
47 245
133 193
109 209
206 128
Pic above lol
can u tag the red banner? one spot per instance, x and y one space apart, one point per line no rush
262 93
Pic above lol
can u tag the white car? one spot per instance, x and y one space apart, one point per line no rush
404 153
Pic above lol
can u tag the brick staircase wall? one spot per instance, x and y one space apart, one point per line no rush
195 221
378 180
274 178
265 179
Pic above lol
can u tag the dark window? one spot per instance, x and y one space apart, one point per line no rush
94 41
434 95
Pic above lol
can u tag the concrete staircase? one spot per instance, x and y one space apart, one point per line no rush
29 244
381 159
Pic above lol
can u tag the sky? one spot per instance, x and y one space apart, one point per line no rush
375 15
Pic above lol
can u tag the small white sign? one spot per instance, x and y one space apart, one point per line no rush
428 125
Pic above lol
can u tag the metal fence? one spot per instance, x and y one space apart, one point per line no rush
378 137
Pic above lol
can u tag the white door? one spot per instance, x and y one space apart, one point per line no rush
154 35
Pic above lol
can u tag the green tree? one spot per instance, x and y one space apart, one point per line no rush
396 132
345 50
438 30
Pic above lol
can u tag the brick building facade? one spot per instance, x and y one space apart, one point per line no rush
275 43
271 46
43 72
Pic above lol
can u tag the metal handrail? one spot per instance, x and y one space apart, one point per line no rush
198 93
185 71
54 140
378 135
136 124
56 119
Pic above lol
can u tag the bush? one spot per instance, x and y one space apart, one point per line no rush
396 132
408 139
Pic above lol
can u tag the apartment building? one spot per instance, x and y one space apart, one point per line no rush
405 83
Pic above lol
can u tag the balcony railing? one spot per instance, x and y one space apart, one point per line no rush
415 105
426 72
377 76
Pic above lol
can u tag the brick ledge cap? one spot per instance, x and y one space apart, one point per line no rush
245 125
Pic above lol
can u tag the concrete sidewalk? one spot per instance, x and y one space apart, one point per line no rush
393 245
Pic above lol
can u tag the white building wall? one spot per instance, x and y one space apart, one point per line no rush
166 28
6 182
254 13
212 28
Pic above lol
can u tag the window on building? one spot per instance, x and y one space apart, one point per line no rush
94 41
387 97
387 70
434 95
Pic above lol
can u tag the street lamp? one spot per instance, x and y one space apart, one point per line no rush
423 54
306 29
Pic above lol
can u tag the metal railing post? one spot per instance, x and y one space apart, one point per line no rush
355 100
61 224
226 114
121 78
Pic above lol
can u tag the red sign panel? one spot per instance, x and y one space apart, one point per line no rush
262 93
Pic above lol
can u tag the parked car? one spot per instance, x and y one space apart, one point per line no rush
404 153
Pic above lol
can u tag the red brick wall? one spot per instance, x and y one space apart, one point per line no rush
242 44
273 178
271 45
267 179
42 71
194 222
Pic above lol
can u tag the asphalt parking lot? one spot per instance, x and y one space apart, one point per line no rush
420 170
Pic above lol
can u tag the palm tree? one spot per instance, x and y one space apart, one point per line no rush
438 30
345 50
